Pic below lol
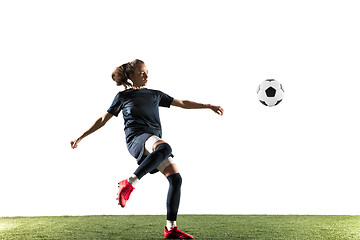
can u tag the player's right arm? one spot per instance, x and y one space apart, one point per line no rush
98 124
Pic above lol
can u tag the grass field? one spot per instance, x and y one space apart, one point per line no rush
225 227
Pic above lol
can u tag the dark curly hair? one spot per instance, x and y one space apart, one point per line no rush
122 73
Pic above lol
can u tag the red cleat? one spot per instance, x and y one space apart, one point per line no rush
125 189
175 233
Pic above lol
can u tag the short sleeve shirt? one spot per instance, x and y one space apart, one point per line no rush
140 109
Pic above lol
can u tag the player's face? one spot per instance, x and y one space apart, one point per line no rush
140 76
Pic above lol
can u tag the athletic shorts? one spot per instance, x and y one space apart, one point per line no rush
138 150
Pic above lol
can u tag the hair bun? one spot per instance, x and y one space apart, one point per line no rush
121 74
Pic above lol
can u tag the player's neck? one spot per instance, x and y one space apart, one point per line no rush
137 87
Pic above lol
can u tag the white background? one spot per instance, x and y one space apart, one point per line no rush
300 157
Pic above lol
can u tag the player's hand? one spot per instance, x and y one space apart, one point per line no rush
217 109
75 143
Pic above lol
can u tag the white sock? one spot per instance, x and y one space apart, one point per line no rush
170 224
133 180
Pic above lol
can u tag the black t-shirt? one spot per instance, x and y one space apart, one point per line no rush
140 109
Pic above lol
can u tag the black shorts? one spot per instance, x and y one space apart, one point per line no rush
136 146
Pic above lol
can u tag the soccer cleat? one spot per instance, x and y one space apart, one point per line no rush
125 189
175 233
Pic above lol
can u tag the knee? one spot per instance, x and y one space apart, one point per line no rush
175 180
157 143
165 148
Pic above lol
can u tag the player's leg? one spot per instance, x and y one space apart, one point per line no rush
160 151
174 178
157 151
172 174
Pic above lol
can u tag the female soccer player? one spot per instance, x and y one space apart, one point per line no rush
140 109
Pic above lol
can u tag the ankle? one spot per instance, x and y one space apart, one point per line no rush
133 180
170 224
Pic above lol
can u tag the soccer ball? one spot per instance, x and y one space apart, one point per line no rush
270 92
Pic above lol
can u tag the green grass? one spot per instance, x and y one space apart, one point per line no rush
289 227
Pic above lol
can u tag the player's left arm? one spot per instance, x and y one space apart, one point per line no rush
194 105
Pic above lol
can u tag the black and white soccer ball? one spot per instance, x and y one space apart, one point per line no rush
270 92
